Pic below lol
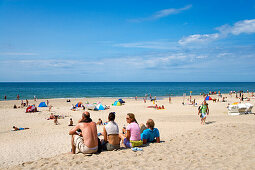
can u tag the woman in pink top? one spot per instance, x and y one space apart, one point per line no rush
132 136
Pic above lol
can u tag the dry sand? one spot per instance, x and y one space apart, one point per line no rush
225 142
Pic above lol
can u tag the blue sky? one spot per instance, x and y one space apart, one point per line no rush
150 40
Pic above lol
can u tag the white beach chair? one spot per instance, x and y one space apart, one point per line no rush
242 108
233 110
248 108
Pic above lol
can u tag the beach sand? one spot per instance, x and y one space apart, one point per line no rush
225 142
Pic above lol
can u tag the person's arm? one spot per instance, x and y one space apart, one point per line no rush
207 110
158 139
157 136
74 129
128 134
105 134
144 141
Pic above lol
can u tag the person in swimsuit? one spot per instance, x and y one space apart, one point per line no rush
86 142
204 110
132 136
16 129
111 134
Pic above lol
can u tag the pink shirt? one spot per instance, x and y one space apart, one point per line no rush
134 129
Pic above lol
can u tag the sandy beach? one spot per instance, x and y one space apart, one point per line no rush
225 142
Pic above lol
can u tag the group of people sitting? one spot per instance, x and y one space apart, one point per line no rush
85 137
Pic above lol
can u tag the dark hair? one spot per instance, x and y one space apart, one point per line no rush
87 118
111 116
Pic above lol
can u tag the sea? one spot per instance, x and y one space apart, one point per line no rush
47 90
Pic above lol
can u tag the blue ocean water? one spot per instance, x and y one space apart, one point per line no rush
42 90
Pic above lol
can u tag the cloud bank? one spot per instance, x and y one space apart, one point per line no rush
244 26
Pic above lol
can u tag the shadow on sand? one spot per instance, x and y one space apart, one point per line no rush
210 122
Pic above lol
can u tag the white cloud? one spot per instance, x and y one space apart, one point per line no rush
170 11
150 44
162 13
244 26
200 38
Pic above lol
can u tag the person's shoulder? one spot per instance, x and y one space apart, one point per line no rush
155 130
93 123
146 131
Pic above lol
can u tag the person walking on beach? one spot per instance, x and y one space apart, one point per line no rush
86 141
204 110
169 99
5 97
18 97
26 102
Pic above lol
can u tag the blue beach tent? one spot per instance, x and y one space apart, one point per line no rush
42 104
116 103
100 107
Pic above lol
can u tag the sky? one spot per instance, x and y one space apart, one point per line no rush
127 41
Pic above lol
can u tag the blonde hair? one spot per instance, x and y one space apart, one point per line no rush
132 117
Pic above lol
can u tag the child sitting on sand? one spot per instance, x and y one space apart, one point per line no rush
71 122
100 122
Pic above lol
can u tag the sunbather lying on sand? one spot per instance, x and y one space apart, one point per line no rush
16 129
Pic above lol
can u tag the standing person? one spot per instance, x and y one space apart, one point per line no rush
132 135
146 95
21 104
86 141
169 99
135 97
5 97
47 102
56 120
34 98
144 100
204 110
26 102
18 97
111 134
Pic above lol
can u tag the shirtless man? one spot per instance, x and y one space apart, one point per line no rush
86 141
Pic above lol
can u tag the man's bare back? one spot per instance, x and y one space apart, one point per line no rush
89 133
